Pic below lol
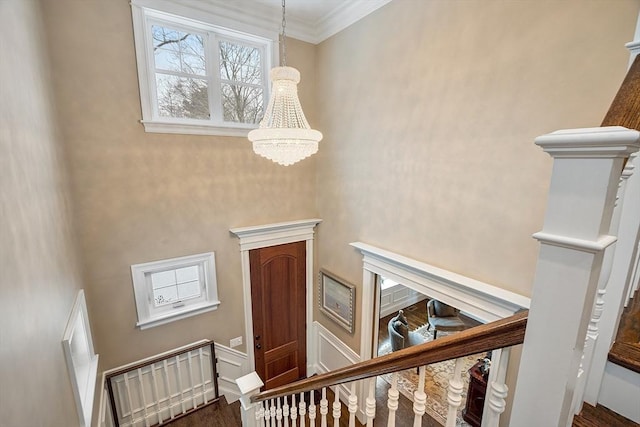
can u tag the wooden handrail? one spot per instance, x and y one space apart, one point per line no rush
501 333
625 108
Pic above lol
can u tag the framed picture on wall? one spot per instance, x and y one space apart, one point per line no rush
337 299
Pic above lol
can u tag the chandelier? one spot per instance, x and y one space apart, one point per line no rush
284 135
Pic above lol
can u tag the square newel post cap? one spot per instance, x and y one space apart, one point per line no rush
600 142
249 383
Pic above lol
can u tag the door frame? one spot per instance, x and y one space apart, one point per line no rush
262 236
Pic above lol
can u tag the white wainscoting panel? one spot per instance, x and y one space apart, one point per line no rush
333 354
232 365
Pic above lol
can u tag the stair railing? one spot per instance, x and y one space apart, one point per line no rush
163 388
281 405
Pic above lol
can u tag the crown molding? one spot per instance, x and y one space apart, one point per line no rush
269 19
343 16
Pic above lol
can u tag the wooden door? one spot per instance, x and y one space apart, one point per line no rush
278 300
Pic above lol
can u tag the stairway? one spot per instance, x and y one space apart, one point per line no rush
626 350
623 366
218 414
600 416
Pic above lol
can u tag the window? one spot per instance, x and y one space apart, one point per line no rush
197 77
173 289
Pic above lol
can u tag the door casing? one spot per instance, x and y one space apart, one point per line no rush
262 236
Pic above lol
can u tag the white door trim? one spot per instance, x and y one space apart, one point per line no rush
262 236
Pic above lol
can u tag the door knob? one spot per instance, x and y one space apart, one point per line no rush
258 346
257 337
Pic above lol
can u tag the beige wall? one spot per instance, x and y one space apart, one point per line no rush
142 196
40 275
429 111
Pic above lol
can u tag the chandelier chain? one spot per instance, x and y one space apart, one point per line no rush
284 41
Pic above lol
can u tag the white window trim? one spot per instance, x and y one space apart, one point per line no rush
143 293
144 11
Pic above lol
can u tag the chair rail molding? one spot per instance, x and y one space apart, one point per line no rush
262 236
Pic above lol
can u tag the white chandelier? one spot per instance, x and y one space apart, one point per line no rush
284 135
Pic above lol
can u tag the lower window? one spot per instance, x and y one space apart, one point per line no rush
173 289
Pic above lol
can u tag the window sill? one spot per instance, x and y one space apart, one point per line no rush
156 126
183 314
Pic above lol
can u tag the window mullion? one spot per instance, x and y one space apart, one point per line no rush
180 74
215 95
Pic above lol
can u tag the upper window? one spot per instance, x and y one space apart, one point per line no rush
173 289
197 77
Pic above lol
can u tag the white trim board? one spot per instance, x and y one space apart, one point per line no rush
263 236
482 301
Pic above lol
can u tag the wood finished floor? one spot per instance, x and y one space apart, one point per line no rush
626 349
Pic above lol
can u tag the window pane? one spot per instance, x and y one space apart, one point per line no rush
189 290
242 104
165 296
182 97
163 279
178 51
187 274
240 63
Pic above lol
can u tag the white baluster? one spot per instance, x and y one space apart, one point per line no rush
202 379
128 390
260 415
192 383
419 399
353 405
302 410
337 407
154 384
454 397
180 387
370 408
143 398
392 400
312 410
593 328
273 413
617 283
324 408
165 370
293 410
279 414
267 414
285 412
497 390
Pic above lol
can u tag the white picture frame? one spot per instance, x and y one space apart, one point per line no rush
337 299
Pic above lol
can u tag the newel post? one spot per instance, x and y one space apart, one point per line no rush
586 169
249 385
